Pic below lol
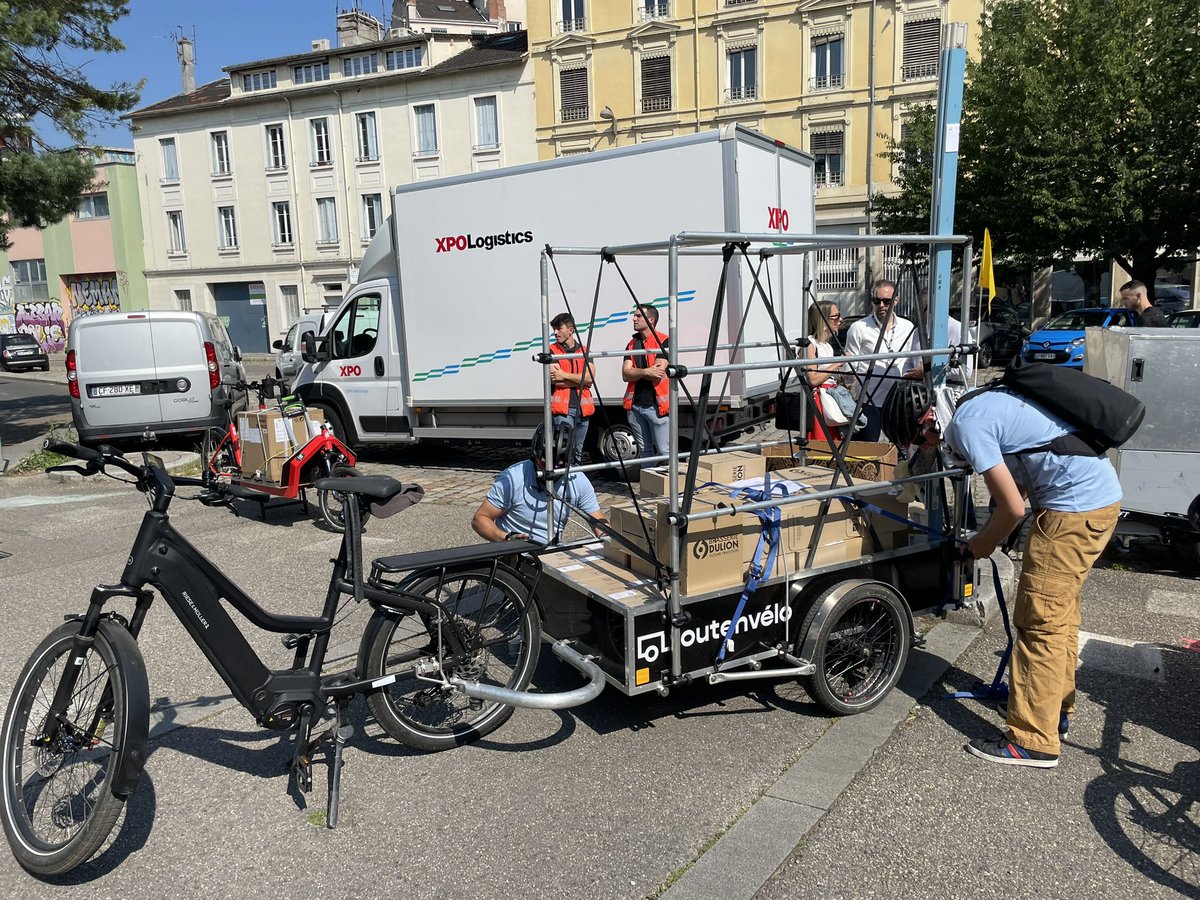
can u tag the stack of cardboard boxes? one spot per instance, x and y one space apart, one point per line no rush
268 439
718 549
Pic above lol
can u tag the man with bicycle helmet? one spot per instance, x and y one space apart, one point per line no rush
515 506
1076 500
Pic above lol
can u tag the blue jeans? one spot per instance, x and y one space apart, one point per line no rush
652 432
580 432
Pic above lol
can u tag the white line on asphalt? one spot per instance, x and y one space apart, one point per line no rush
1121 657
31 500
1174 603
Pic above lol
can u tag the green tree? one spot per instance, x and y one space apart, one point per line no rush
38 183
1081 131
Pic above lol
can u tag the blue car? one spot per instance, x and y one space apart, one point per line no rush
1060 341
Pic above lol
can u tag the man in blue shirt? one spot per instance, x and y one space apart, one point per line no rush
515 506
1076 501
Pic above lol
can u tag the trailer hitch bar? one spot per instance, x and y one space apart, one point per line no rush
560 700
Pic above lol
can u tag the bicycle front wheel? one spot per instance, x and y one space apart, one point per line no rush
58 802
219 462
500 631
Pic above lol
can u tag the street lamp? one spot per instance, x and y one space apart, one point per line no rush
607 113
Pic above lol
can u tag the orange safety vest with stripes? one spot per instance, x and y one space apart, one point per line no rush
661 387
560 400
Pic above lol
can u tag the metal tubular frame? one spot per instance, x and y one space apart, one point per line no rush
713 244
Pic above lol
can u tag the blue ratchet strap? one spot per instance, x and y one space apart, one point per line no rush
997 690
770 536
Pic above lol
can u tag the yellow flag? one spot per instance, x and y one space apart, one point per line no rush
987 278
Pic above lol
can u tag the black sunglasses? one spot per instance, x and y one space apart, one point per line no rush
886 301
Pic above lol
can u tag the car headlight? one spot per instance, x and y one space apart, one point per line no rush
1078 342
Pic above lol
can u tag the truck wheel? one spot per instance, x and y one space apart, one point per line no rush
618 442
335 423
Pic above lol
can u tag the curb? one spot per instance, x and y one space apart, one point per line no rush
173 462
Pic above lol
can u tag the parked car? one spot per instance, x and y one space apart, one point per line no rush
1000 335
1172 298
1189 318
22 351
287 359
1061 340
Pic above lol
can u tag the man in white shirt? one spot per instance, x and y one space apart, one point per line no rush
881 332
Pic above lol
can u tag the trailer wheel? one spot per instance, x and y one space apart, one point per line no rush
619 442
861 647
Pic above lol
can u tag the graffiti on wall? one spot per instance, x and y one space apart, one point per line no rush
8 324
92 294
6 295
44 320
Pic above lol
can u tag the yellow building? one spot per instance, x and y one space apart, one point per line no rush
828 77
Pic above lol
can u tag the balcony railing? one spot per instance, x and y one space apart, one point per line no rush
918 72
566 25
737 2
655 104
652 11
742 94
827 83
829 179
574 113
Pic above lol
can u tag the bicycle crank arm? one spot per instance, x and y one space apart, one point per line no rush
560 700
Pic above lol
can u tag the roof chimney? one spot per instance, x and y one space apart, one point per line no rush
187 63
356 27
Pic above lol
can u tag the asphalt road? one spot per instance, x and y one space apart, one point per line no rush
28 407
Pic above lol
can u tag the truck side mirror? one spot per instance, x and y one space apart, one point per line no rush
313 349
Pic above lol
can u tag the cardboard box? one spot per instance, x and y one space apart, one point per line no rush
784 456
266 444
865 460
723 468
830 554
302 429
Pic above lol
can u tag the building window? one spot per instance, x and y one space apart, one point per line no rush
372 208
170 159
93 206
310 72
655 9
656 83
259 81
922 49
427 139
176 240
487 126
289 296
408 58
327 225
573 91
368 142
281 219
513 26
276 148
363 64
573 18
227 236
183 300
743 74
320 150
838 269
829 150
828 67
29 280
218 144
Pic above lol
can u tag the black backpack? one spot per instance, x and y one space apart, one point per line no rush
1101 415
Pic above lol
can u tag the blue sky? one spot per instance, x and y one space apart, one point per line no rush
227 32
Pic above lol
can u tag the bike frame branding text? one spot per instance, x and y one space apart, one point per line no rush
651 646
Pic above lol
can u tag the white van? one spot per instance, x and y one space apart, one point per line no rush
288 356
142 375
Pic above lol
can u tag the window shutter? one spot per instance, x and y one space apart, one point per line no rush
656 83
825 142
922 46
573 89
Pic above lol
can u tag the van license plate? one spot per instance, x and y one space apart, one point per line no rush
116 390
1047 356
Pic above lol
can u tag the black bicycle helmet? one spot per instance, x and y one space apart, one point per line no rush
902 412
562 444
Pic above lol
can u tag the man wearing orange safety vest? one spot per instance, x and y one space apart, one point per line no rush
646 386
571 401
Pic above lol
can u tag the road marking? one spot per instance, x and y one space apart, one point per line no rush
1121 657
1174 603
30 500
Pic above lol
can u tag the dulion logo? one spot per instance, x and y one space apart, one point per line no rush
707 547
484 242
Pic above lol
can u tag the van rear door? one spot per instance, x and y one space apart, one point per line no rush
115 359
181 368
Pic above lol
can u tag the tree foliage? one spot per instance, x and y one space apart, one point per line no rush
39 184
1081 132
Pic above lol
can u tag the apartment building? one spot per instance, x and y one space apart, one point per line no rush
831 77
90 262
262 190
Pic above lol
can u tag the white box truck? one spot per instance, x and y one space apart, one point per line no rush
437 338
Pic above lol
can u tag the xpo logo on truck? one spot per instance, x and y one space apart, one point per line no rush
777 217
483 242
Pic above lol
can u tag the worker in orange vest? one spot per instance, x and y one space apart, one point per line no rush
646 385
571 401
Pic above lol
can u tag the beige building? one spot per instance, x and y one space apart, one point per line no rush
825 76
261 191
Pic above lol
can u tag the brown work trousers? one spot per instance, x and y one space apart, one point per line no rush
1061 549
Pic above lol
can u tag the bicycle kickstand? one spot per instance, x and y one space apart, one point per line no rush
342 732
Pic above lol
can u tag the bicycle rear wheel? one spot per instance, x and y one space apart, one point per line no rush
500 630
58 800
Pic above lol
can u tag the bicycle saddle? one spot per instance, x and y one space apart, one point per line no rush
374 487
